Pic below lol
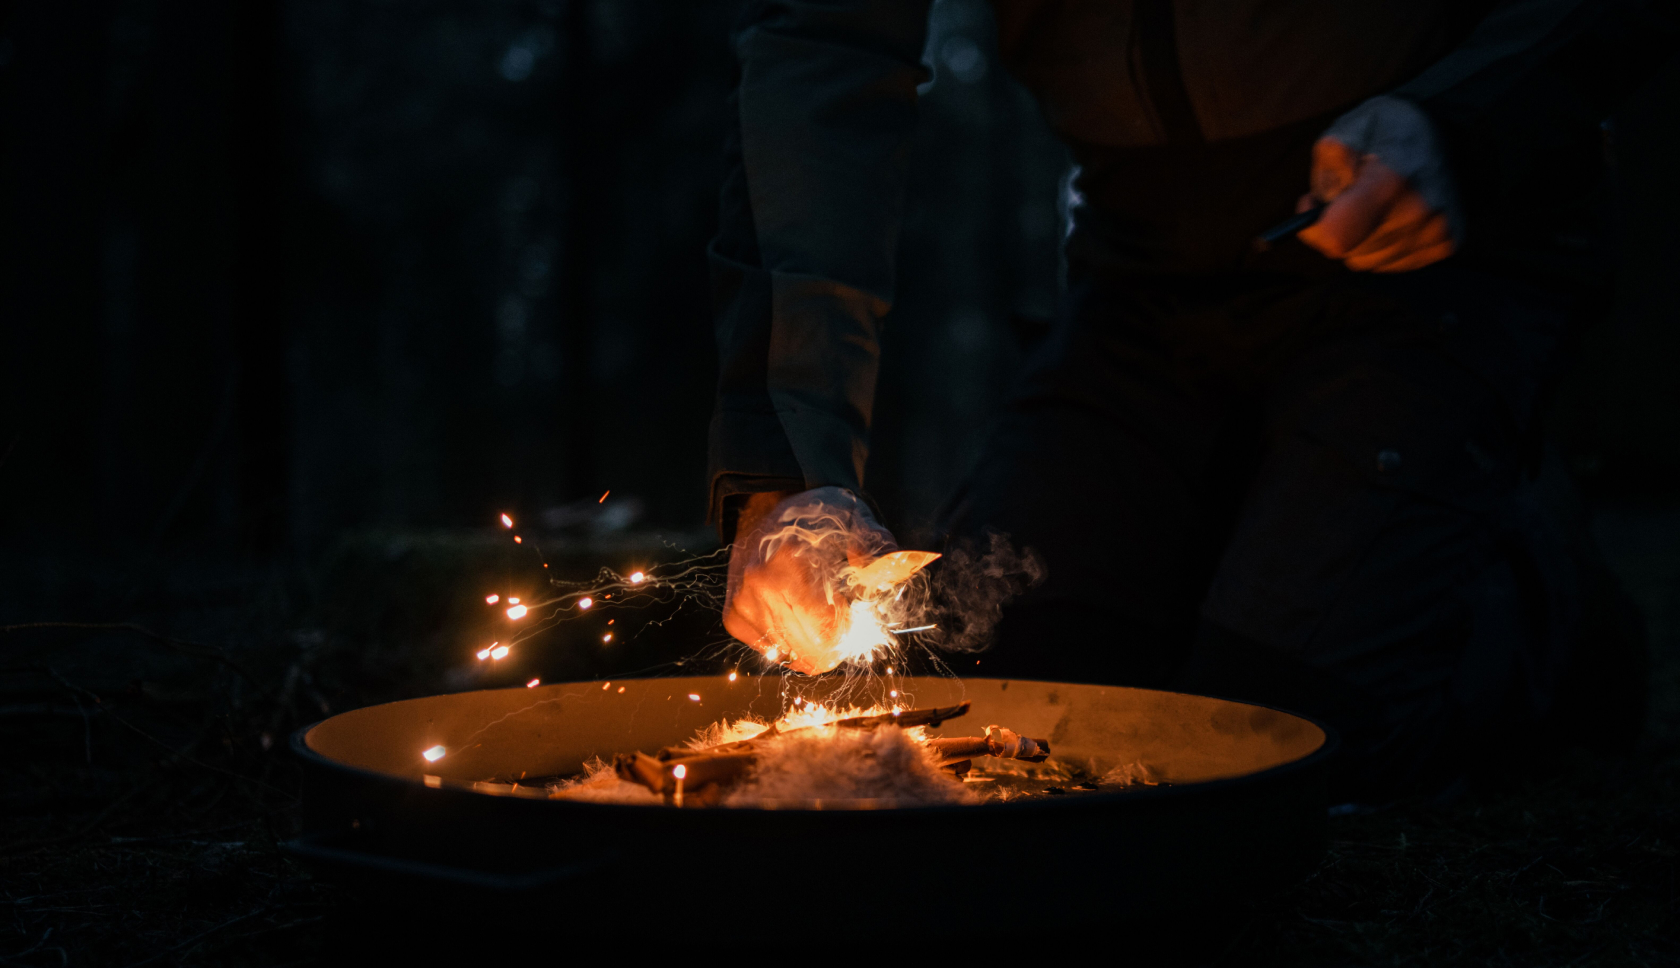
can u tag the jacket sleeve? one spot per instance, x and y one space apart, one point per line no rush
802 268
1520 103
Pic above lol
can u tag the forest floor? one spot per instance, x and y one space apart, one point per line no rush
148 784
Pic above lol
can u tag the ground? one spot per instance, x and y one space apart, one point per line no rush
149 786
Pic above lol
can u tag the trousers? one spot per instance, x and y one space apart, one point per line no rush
1323 494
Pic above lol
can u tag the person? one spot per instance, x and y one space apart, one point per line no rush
1312 476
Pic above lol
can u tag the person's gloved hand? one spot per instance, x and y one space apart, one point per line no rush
1392 207
788 574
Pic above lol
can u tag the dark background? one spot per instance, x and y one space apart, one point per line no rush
297 295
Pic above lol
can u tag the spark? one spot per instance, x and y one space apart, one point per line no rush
893 693
919 628
636 577
507 522
517 612
770 653
518 540
492 599
611 620
889 670
534 683
607 637
679 771
513 601
585 602
499 652
434 754
604 494
620 688
694 696
732 677
484 653
604 685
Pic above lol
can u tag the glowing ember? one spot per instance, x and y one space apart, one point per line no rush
492 599
518 540
499 652
620 688
517 612
636 578
603 499
434 754
585 602
507 522
604 685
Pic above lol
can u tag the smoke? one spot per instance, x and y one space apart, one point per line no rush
966 596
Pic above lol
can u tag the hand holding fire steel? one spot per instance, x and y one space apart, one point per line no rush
787 594
1391 205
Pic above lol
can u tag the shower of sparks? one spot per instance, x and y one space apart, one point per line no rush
434 754
492 599
507 522
517 612
499 652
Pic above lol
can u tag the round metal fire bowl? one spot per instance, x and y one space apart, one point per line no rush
1240 812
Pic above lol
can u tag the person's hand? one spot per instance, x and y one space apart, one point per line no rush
787 595
1376 220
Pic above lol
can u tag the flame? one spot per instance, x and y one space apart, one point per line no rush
434 754
517 612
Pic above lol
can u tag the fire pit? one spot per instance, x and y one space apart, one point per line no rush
443 804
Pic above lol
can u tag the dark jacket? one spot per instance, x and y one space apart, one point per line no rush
1192 121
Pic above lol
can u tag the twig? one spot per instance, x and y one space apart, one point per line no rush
195 939
179 645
